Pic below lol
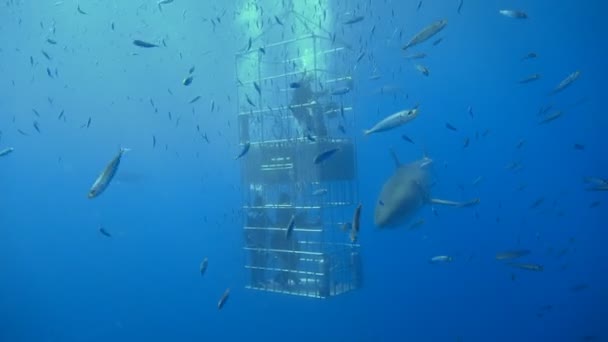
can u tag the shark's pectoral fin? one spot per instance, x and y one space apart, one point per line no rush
455 204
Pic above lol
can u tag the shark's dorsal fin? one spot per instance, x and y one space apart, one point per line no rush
395 159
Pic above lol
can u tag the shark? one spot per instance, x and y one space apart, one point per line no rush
406 191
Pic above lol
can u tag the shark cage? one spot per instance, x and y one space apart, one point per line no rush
298 163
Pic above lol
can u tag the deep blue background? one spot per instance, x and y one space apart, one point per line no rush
169 207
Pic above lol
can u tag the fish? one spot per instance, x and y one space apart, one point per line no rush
466 142
550 117
441 259
223 299
529 79
294 85
406 138
320 192
195 99
529 55
244 151
203 266
51 41
153 141
46 55
536 203
104 232
426 33
103 180
36 127
566 82
354 20
290 226
278 21
579 147
323 156
451 127
191 70
393 121
6 151
354 231
436 42
81 11
188 80
517 14
460 6
423 70
163 2
419 55
527 267
406 191
512 254
143 44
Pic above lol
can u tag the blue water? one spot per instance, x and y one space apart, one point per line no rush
171 205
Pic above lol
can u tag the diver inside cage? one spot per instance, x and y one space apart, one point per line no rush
308 109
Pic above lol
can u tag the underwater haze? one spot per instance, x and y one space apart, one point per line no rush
102 245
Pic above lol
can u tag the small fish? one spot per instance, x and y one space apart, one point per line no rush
6 151
354 20
594 204
579 147
195 99
422 69
516 14
466 142
451 127
323 156
419 55
278 21
441 259
153 141
470 111
527 267
106 176
419 5
262 50
163 2
46 55
203 266
512 254
537 203
406 138
49 73
529 55
294 85
249 100
566 82
223 299
244 151
249 44
191 70
290 226
35 112
354 232
319 192
104 232
89 123
550 117
460 6
437 42
81 11
188 80
529 79
143 44
36 127
257 87
50 41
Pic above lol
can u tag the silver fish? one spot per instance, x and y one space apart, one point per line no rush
426 33
393 121
6 151
104 179
517 14
566 82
